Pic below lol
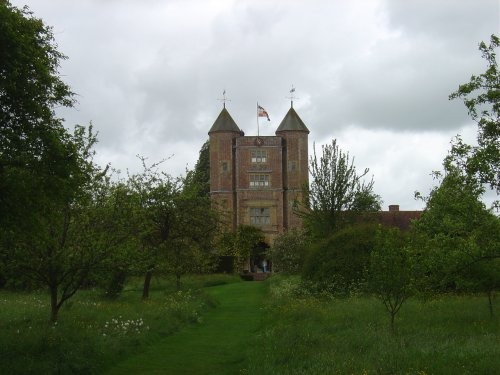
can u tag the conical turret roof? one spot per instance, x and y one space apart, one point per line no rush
292 121
224 123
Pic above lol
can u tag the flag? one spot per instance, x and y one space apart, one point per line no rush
262 112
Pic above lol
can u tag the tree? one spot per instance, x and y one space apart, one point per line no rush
155 191
67 240
199 177
32 139
336 192
192 235
455 242
121 216
289 251
389 276
481 96
29 63
177 225
49 184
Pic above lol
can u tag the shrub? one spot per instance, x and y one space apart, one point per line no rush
338 263
289 251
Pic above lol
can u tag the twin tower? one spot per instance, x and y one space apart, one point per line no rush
257 180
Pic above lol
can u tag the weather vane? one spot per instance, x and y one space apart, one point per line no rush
292 96
224 98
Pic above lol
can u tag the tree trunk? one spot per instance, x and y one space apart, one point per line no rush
392 321
178 281
54 309
147 283
490 302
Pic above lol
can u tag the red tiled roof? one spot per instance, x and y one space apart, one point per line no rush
399 219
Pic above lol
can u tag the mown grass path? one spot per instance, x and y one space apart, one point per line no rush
217 346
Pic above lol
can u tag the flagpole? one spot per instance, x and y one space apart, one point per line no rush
258 127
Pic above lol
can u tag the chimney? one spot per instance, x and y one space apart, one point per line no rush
393 207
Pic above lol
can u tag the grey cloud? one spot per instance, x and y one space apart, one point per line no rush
149 73
451 20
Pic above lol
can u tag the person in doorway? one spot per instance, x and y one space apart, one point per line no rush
264 265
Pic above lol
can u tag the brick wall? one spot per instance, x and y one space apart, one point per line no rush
235 172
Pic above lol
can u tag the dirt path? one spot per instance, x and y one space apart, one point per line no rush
217 346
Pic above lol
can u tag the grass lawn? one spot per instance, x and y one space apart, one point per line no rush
216 346
274 327
306 335
94 333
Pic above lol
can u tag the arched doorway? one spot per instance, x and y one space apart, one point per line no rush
259 258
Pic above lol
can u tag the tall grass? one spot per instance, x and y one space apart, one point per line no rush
310 335
94 332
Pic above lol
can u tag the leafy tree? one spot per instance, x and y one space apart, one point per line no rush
49 185
289 250
366 201
176 227
455 242
30 84
121 215
199 177
191 246
155 191
481 96
68 240
481 277
33 142
337 192
338 263
389 275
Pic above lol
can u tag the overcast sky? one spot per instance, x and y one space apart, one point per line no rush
373 74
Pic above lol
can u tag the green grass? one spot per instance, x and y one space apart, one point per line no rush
217 346
93 332
165 284
306 335
290 332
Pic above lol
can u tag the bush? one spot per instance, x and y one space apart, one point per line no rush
289 251
338 263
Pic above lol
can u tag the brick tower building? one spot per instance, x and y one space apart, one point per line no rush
256 180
